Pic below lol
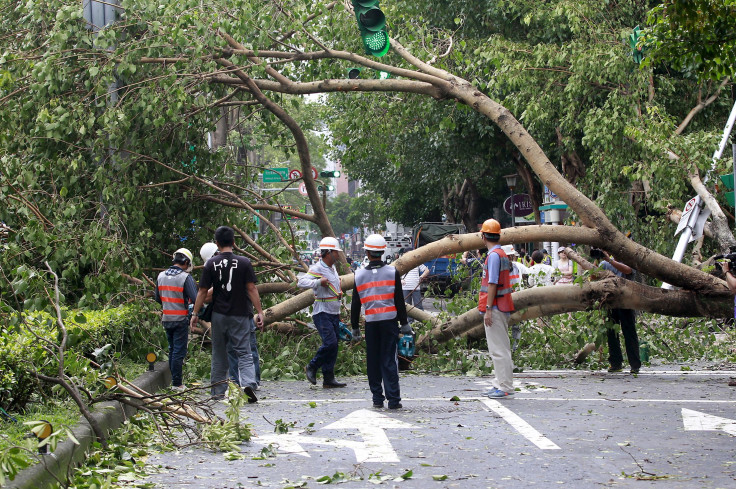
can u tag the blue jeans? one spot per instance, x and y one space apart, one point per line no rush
177 333
232 359
231 332
414 297
328 326
381 340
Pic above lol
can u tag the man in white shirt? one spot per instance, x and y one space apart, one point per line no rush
539 273
412 293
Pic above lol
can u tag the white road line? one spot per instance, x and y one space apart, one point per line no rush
645 372
520 425
516 398
620 399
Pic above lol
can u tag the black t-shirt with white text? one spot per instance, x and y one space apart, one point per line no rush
227 274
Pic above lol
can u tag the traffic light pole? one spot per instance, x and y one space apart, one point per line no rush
692 228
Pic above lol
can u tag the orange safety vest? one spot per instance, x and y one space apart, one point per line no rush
376 289
171 292
503 290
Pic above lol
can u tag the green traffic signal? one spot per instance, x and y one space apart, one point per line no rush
372 25
327 187
329 174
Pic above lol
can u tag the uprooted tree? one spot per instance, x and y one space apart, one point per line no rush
105 166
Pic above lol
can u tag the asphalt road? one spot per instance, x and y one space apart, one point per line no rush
575 429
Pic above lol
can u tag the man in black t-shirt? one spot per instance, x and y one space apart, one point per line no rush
233 297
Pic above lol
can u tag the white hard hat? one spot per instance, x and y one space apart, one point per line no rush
184 252
375 242
509 249
207 251
329 243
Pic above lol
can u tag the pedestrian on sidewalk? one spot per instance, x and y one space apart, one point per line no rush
496 305
234 296
175 290
323 279
378 289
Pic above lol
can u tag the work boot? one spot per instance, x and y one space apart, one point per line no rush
329 381
311 374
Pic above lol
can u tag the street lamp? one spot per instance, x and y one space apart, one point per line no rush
511 183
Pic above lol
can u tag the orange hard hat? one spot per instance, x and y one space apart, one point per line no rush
491 226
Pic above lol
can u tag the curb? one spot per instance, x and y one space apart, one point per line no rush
110 416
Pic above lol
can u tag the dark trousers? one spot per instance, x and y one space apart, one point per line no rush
177 333
627 319
381 340
328 326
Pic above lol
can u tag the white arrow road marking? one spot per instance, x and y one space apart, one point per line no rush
520 425
697 421
375 446
371 425
290 443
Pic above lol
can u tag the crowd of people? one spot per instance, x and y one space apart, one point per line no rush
228 297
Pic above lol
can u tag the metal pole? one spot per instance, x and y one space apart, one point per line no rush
513 210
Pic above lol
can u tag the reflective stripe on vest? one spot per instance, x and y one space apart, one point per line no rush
171 292
504 288
376 288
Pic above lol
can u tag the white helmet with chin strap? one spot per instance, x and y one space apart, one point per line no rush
207 251
329 243
186 254
375 242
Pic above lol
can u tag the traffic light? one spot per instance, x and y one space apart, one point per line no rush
354 73
329 174
636 52
329 188
372 25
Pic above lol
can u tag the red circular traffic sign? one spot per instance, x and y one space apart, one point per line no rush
314 172
295 174
303 188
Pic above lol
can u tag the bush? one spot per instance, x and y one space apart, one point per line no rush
26 346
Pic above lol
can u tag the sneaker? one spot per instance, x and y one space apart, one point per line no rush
499 394
179 388
615 369
395 406
252 399
634 371
378 405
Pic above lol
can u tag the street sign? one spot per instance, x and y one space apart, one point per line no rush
686 211
522 205
314 172
294 174
303 188
275 175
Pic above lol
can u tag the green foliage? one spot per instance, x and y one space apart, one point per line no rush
696 37
108 336
228 435
17 450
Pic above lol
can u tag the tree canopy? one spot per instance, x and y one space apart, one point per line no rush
104 134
